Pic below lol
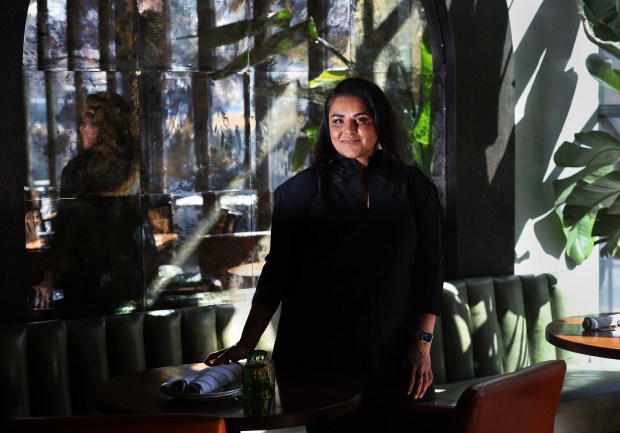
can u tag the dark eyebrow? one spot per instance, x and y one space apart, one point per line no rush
363 113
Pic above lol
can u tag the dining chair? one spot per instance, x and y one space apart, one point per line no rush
125 423
524 401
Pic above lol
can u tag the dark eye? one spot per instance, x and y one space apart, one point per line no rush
336 121
363 120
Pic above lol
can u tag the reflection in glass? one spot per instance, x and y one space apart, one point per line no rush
101 244
226 99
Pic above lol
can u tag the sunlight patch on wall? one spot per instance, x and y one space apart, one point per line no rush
521 14
520 105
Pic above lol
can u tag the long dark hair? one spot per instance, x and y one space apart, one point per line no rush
325 156
111 113
113 158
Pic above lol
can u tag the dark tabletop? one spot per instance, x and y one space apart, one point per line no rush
299 399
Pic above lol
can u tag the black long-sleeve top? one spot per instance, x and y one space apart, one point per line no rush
351 277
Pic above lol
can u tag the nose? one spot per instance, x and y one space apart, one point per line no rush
351 126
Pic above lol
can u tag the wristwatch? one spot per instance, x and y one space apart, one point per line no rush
424 336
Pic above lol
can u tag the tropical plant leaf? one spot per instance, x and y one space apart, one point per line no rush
563 187
601 68
329 78
304 145
573 214
579 240
589 198
605 224
602 16
422 131
611 247
588 201
607 228
601 23
273 45
239 30
312 31
593 149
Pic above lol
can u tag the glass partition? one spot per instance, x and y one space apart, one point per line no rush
219 104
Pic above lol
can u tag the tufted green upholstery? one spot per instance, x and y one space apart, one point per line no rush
489 326
495 325
53 367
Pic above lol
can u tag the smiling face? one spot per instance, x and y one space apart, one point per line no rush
352 128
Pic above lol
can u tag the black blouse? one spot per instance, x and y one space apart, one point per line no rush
350 277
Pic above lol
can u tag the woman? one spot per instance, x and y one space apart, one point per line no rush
355 261
101 233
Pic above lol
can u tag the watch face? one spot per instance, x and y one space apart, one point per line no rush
425 336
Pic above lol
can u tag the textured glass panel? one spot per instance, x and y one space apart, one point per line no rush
387 35
232 25
283 42
52 44
338 32
183 34
200 237
83 33
83 196
227 98
230 152
31 41
282 144
217 156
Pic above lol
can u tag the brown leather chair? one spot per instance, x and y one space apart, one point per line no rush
129 423
525 401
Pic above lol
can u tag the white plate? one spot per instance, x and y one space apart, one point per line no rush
231 390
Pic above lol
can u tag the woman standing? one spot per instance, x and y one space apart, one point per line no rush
355 262
103 249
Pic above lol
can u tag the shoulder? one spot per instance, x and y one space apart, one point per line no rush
418 178
305 180
421 186
295 195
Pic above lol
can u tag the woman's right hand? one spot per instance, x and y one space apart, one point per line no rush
226 356
255 325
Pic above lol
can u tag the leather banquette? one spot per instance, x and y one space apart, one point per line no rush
489 326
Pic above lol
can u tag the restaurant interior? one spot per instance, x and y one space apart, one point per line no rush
222 99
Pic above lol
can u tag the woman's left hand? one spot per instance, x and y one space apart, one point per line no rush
419 367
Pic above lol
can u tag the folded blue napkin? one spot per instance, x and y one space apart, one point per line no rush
600 323
207 380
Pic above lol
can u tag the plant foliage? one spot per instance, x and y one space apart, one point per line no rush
280 36
588 202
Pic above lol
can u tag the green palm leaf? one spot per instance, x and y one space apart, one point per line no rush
579 241
607 228
602 69
587 198
596 148
601 23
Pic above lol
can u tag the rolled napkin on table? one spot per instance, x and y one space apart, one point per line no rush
596 323
206 380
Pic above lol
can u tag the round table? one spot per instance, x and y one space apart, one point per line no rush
299 400
567 333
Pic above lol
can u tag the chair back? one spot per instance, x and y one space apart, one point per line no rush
129 423
524 401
